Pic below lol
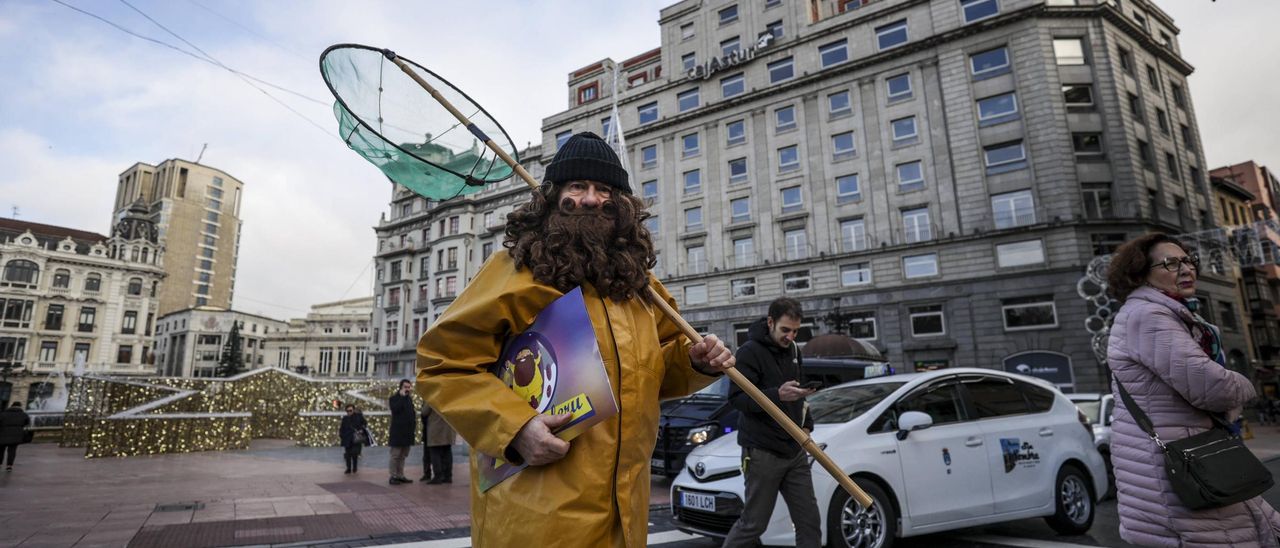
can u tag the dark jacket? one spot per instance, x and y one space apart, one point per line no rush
435 431
768 366
403 420
13 421
350 424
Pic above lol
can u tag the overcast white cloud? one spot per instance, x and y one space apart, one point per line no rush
81 101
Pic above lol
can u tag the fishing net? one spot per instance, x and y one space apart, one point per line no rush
398 126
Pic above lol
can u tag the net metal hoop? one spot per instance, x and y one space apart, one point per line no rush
469 180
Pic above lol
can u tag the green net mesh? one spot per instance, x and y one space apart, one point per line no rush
395 124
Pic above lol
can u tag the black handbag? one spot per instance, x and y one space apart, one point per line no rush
1210 469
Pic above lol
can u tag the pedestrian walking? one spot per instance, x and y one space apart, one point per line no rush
583 228
352 433
772 461
437 440
13 431
1170 361
400 437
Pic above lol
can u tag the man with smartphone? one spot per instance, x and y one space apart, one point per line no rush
400 438
772 461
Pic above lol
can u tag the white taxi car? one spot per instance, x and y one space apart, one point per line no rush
937 451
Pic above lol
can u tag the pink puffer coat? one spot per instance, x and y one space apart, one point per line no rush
1175 383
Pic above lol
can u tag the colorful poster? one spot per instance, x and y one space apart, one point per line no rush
555 366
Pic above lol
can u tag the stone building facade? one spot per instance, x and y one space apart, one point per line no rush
932 176
331 341
189 343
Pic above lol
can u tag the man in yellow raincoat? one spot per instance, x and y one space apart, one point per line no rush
582 228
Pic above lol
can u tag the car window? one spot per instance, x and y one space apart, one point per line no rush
843 404
1090 410
995 397
1041 398
941 401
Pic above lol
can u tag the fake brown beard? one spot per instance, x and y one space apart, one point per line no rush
606 247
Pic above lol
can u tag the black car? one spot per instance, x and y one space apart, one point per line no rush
689 422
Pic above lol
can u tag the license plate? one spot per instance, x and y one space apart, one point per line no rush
698 502
656 463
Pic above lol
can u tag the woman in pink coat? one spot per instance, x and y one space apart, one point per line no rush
1171 362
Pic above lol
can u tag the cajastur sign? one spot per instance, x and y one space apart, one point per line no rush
717 64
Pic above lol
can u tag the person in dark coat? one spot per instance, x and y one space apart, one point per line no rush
772 461
400 438
352 433
13 426
437 439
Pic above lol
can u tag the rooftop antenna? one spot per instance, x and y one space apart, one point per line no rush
201 155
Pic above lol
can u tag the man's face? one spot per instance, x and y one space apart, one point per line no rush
404 387
783 330
588 194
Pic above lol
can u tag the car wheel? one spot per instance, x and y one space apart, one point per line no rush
849 525
1072 501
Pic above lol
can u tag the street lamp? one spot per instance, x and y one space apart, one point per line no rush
836 320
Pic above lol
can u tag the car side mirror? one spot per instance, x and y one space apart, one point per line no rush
911 421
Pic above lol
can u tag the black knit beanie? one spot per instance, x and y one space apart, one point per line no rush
586 157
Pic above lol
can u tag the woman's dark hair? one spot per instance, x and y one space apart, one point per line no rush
1131 261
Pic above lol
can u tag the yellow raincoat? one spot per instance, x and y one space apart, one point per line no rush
598 495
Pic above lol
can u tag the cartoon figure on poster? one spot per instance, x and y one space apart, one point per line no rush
529 368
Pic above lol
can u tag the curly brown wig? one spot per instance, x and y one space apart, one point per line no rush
566 246
1131 261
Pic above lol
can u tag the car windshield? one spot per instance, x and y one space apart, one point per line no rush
1090 409
718 388
845 403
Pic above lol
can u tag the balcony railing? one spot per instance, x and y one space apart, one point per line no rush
421 305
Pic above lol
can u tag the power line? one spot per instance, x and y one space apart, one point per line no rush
357 280
248 30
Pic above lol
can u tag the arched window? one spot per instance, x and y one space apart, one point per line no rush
93 282
21 273
146 252
62 278
135 286
134 255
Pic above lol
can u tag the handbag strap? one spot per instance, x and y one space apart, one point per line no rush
1144 422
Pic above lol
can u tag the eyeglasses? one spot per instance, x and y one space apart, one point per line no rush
1174 264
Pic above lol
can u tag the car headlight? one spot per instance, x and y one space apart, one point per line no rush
702 434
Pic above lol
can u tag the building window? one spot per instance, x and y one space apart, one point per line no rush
649 156
48 351
728 15
1162 121
1187 140
693 218
1078 95
904 129
688 61
855 274
977 10
62 279
1004 157
797 244
687 100
795 281
692 182
842 146
774 29
729 46
696 259
1087 144
563 137
781 70
853 235
649 189
88 315
732 85
1179 98
740 210
53 317
915 225
653 225
17 312
21 273
862 325
737 171
686 31
998 108
784 119
695 294
647 113
1013 209
989 62
792 199
1135 108
1228 319
129 325
736 132
788 159
838 104
1069 51
326 360
689 145
744 252
848 189
892 35
834 53
742 288
1026 313
1172 163
1126 61
927 321
920 266
124 354
910 176
1020 253
899 87
1144 153
1153 78
606 126
344 359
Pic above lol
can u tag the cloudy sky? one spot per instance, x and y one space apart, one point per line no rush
81 101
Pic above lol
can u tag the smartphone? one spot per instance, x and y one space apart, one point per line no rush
811 385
